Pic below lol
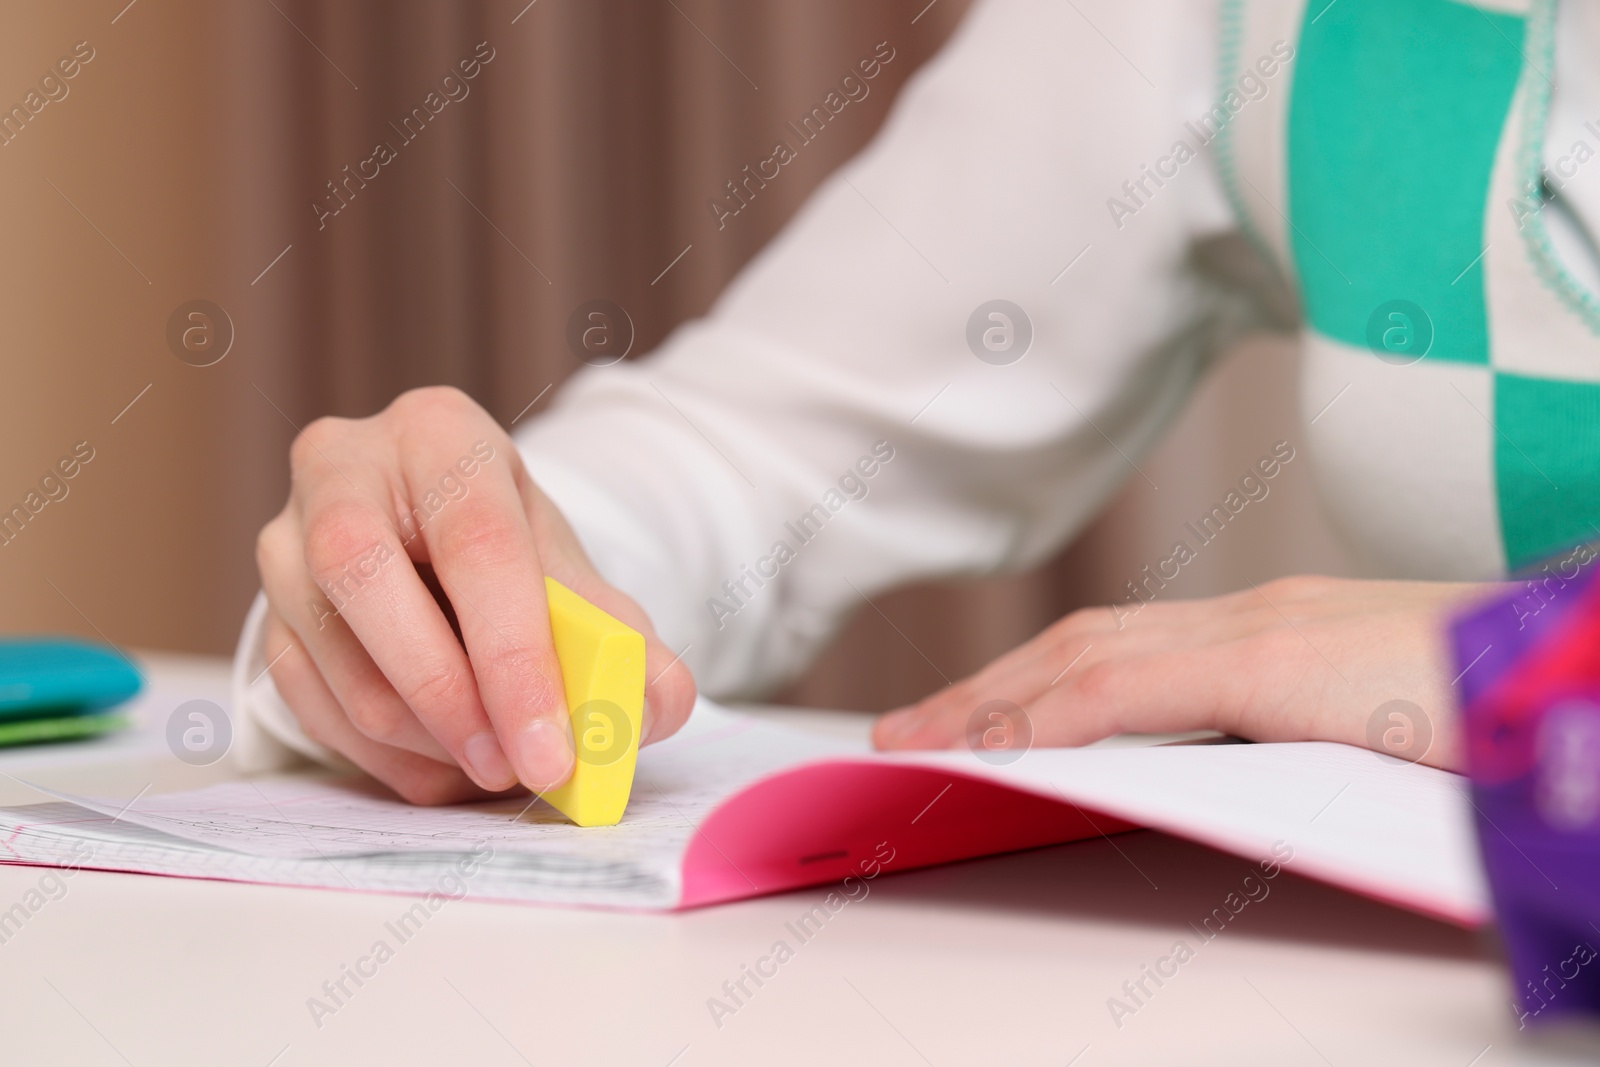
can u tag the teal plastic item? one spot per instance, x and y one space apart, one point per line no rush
53 676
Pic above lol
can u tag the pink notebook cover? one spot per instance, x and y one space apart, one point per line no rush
1402 837
851 810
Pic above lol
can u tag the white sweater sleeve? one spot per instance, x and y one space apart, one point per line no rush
687 474
720 481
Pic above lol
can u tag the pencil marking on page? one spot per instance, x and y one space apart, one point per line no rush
696 828
118 816
526 807
297 828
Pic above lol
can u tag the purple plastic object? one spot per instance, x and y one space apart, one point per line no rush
1530 694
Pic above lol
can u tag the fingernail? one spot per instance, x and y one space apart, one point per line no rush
487 762
545 751
647 723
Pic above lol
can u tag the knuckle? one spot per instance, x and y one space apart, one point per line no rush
271 544
1081 621
962 696
535 679
512 663
483 533
1098 684
444 688
310 444
431 401
1297 588
377 720
337 536
1274 648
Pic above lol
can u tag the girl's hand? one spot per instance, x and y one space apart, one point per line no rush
408 628
1298 659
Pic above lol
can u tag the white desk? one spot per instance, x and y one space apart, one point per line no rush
1008 960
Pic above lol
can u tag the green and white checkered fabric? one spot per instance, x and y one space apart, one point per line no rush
1452 364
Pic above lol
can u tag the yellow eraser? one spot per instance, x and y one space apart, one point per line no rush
602 666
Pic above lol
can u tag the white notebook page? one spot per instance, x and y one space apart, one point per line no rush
1352 817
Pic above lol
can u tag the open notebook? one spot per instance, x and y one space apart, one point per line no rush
733 807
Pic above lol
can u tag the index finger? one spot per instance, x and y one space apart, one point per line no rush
483 552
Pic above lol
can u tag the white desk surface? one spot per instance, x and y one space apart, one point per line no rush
1007 960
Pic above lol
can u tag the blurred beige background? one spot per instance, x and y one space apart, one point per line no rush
182 164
